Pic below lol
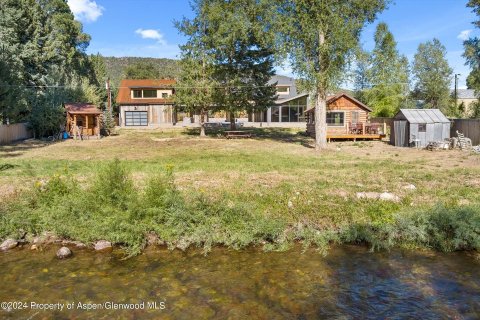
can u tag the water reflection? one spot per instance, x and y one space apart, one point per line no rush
349 283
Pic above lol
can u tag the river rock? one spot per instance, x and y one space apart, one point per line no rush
103 245
64 252
387 196
153 239
8 244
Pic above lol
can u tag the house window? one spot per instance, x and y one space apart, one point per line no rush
149 93
283 90
164 95
355 116
136 118
335 119
137 93
422 127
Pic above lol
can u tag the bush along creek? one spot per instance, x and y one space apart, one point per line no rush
112 210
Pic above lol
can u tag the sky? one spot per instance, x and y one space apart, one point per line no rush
145 28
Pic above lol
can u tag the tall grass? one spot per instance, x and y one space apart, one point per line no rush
112 208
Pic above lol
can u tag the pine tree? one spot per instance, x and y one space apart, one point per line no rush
228 48
196 85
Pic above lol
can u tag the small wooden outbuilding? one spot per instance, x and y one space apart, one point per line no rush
418 127
83 119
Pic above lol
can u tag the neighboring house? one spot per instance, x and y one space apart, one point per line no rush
467 97
288 107
146 103
346 116
83 119
418 127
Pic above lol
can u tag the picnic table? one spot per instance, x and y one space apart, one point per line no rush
238 134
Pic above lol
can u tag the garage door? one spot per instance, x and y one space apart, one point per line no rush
136 118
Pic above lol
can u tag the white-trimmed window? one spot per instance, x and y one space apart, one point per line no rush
335 118
136 118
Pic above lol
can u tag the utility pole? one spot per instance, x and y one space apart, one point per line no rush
456 87
109 96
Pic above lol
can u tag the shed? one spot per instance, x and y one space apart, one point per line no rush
83 118
418 127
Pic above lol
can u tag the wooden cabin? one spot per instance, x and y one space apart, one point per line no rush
83 119
347 118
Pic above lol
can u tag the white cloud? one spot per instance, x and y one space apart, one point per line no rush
464 35
85 10
151 34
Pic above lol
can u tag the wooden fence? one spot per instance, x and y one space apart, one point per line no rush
469 127
14 132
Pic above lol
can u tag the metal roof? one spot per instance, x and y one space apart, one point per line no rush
283 81
424 116
466 94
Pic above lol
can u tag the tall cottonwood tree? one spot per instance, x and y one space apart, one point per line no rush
319 36
472 57
433 75
388 75
472 51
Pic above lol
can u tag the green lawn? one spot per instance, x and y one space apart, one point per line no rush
269 190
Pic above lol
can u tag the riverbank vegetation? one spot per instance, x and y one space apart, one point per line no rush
271 192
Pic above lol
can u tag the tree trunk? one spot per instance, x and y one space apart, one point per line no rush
320 120
321 106
202 122
232 121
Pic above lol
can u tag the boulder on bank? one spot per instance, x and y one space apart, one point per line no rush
64 252
368 195
387 196
410 187
103 245
8 244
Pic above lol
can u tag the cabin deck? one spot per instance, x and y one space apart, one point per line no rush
354 137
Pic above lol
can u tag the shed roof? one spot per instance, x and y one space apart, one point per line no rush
424 116
82 108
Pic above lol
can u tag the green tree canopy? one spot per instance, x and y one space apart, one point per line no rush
196 84
319 36
433 75
228 57
387 75
42 59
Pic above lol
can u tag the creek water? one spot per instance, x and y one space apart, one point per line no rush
349 283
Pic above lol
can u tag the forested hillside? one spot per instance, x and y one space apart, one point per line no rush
115 67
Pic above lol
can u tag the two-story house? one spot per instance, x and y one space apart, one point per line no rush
146 103
289 105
